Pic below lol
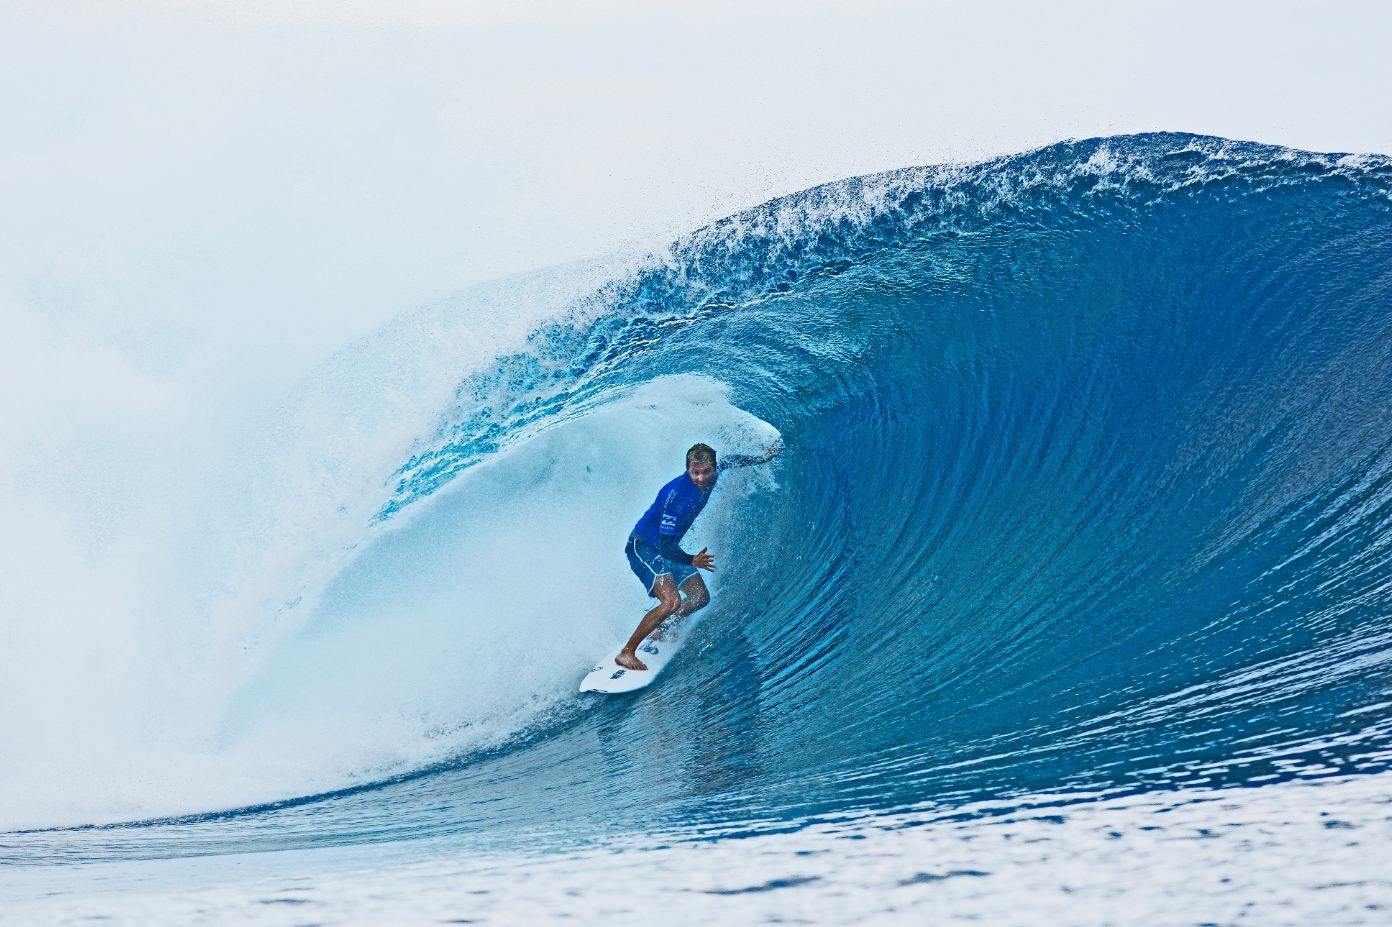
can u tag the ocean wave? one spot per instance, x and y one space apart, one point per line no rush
1086 488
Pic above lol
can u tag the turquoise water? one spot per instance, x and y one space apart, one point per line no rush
1086 492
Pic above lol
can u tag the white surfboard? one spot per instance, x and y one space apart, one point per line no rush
611 678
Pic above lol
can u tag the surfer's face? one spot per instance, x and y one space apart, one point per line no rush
702 473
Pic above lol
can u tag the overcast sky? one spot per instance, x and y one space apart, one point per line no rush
231 190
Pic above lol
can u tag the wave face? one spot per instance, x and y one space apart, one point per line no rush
1087 489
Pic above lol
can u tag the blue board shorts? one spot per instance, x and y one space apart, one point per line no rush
648 564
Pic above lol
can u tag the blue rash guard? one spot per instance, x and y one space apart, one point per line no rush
668 519
678 503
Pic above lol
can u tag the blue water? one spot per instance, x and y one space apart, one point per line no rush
1087 489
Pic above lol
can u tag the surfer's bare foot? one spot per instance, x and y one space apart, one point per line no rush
629 660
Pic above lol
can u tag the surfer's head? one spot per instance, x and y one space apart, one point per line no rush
700 466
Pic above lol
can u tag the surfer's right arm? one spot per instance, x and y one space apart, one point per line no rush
672 552
701 560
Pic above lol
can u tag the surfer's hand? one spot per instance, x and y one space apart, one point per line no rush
703 561
773 450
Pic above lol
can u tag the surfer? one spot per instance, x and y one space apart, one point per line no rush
668 573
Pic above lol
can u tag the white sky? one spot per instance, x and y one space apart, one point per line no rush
230 190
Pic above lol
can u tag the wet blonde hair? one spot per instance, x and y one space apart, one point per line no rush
700 452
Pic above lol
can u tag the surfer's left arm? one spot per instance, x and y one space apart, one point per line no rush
734 461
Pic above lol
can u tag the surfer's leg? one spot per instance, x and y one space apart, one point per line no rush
697 596
669 600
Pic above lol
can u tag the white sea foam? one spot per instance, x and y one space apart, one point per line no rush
196 666
1295 853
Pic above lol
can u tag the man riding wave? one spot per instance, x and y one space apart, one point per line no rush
668 573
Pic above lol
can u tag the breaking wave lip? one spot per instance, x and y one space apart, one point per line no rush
1085 490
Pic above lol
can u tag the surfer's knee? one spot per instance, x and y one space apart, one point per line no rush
668 602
